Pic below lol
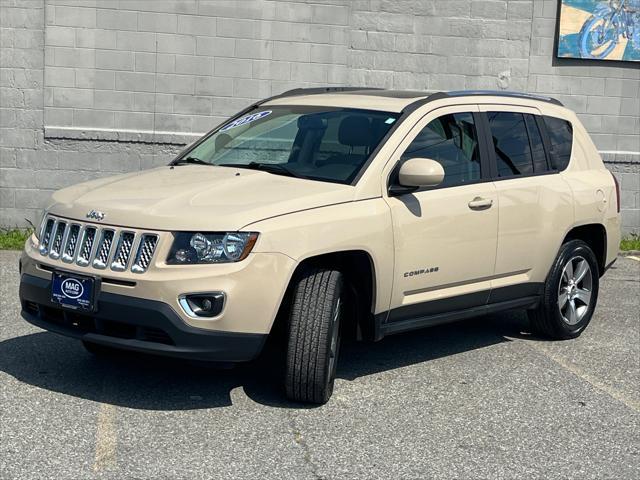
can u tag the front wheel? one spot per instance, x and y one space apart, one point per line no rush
314 335
570 293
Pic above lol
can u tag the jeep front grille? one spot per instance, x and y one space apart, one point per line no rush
100 247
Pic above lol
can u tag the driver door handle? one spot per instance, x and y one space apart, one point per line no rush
480 203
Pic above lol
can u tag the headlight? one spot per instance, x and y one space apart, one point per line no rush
189 248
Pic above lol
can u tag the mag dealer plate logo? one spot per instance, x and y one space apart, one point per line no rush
72 291
72 288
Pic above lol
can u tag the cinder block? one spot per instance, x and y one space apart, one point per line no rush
253 48
192 65
59 77
93 118
75 16
330 14
196 25
58 116
193 105
73 97
271 70
493 9
16 178
233 67
136 41
251 88
291 52
110 100
215 86
7 197
452 8
215 47
135 81
184 44
74 57
519 10
181 84
157 22
134 120
152 102
334 54
60 36
309 72
115 19
98 79
114 60
235 28
32 197
95 38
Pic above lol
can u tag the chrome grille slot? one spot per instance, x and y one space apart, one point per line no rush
91 245
57 240
46 236
123 251
86 246
103 250
71 243
146 249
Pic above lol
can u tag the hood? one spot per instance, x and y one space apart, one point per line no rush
195 197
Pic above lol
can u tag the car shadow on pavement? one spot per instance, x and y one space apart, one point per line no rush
59 364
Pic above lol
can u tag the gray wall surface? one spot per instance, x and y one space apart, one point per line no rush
90 88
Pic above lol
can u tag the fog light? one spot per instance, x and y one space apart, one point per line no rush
202 305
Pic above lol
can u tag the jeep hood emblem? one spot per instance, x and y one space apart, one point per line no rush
95 215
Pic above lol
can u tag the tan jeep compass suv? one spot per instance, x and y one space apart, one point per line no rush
335 211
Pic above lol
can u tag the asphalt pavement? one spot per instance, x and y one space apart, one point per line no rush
477 399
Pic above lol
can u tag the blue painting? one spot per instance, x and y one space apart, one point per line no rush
600 30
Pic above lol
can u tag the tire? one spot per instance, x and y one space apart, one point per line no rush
96 349
314 336
570 293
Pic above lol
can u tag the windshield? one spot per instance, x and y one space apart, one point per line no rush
318 143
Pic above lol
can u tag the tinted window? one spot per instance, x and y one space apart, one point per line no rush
511 143
537 146
319 143
452 141
561 138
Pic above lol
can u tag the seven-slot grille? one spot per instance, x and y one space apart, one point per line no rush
100 247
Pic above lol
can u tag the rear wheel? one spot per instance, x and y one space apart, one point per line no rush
314 335
570 293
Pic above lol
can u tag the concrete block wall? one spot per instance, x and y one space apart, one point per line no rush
93 87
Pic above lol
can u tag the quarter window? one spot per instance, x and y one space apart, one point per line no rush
560 134
452 141
511 143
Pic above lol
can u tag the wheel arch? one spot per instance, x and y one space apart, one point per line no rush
358 268
594 235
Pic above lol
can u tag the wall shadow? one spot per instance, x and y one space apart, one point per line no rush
52 362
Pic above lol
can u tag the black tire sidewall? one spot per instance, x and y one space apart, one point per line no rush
568 251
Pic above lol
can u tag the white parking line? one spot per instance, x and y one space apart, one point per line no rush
637 259
612 392
105 455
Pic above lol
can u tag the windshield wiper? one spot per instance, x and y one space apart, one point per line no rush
275 168
192 160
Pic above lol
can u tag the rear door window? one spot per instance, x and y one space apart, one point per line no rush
511 144
560 133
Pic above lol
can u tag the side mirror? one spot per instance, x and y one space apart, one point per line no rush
420 172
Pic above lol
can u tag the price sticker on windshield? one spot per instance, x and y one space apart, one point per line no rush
246 120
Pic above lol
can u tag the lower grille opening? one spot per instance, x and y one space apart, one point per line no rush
156 335
87 324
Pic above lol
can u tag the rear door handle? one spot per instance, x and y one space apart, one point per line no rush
480 203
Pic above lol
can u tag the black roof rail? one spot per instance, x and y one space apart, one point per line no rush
495 93
319 90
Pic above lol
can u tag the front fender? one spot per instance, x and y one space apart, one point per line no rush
364 225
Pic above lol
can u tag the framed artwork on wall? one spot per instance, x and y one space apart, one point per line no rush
599 30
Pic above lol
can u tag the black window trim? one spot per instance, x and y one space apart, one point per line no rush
394 189
487 138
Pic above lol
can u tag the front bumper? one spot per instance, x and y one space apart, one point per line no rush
136 324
